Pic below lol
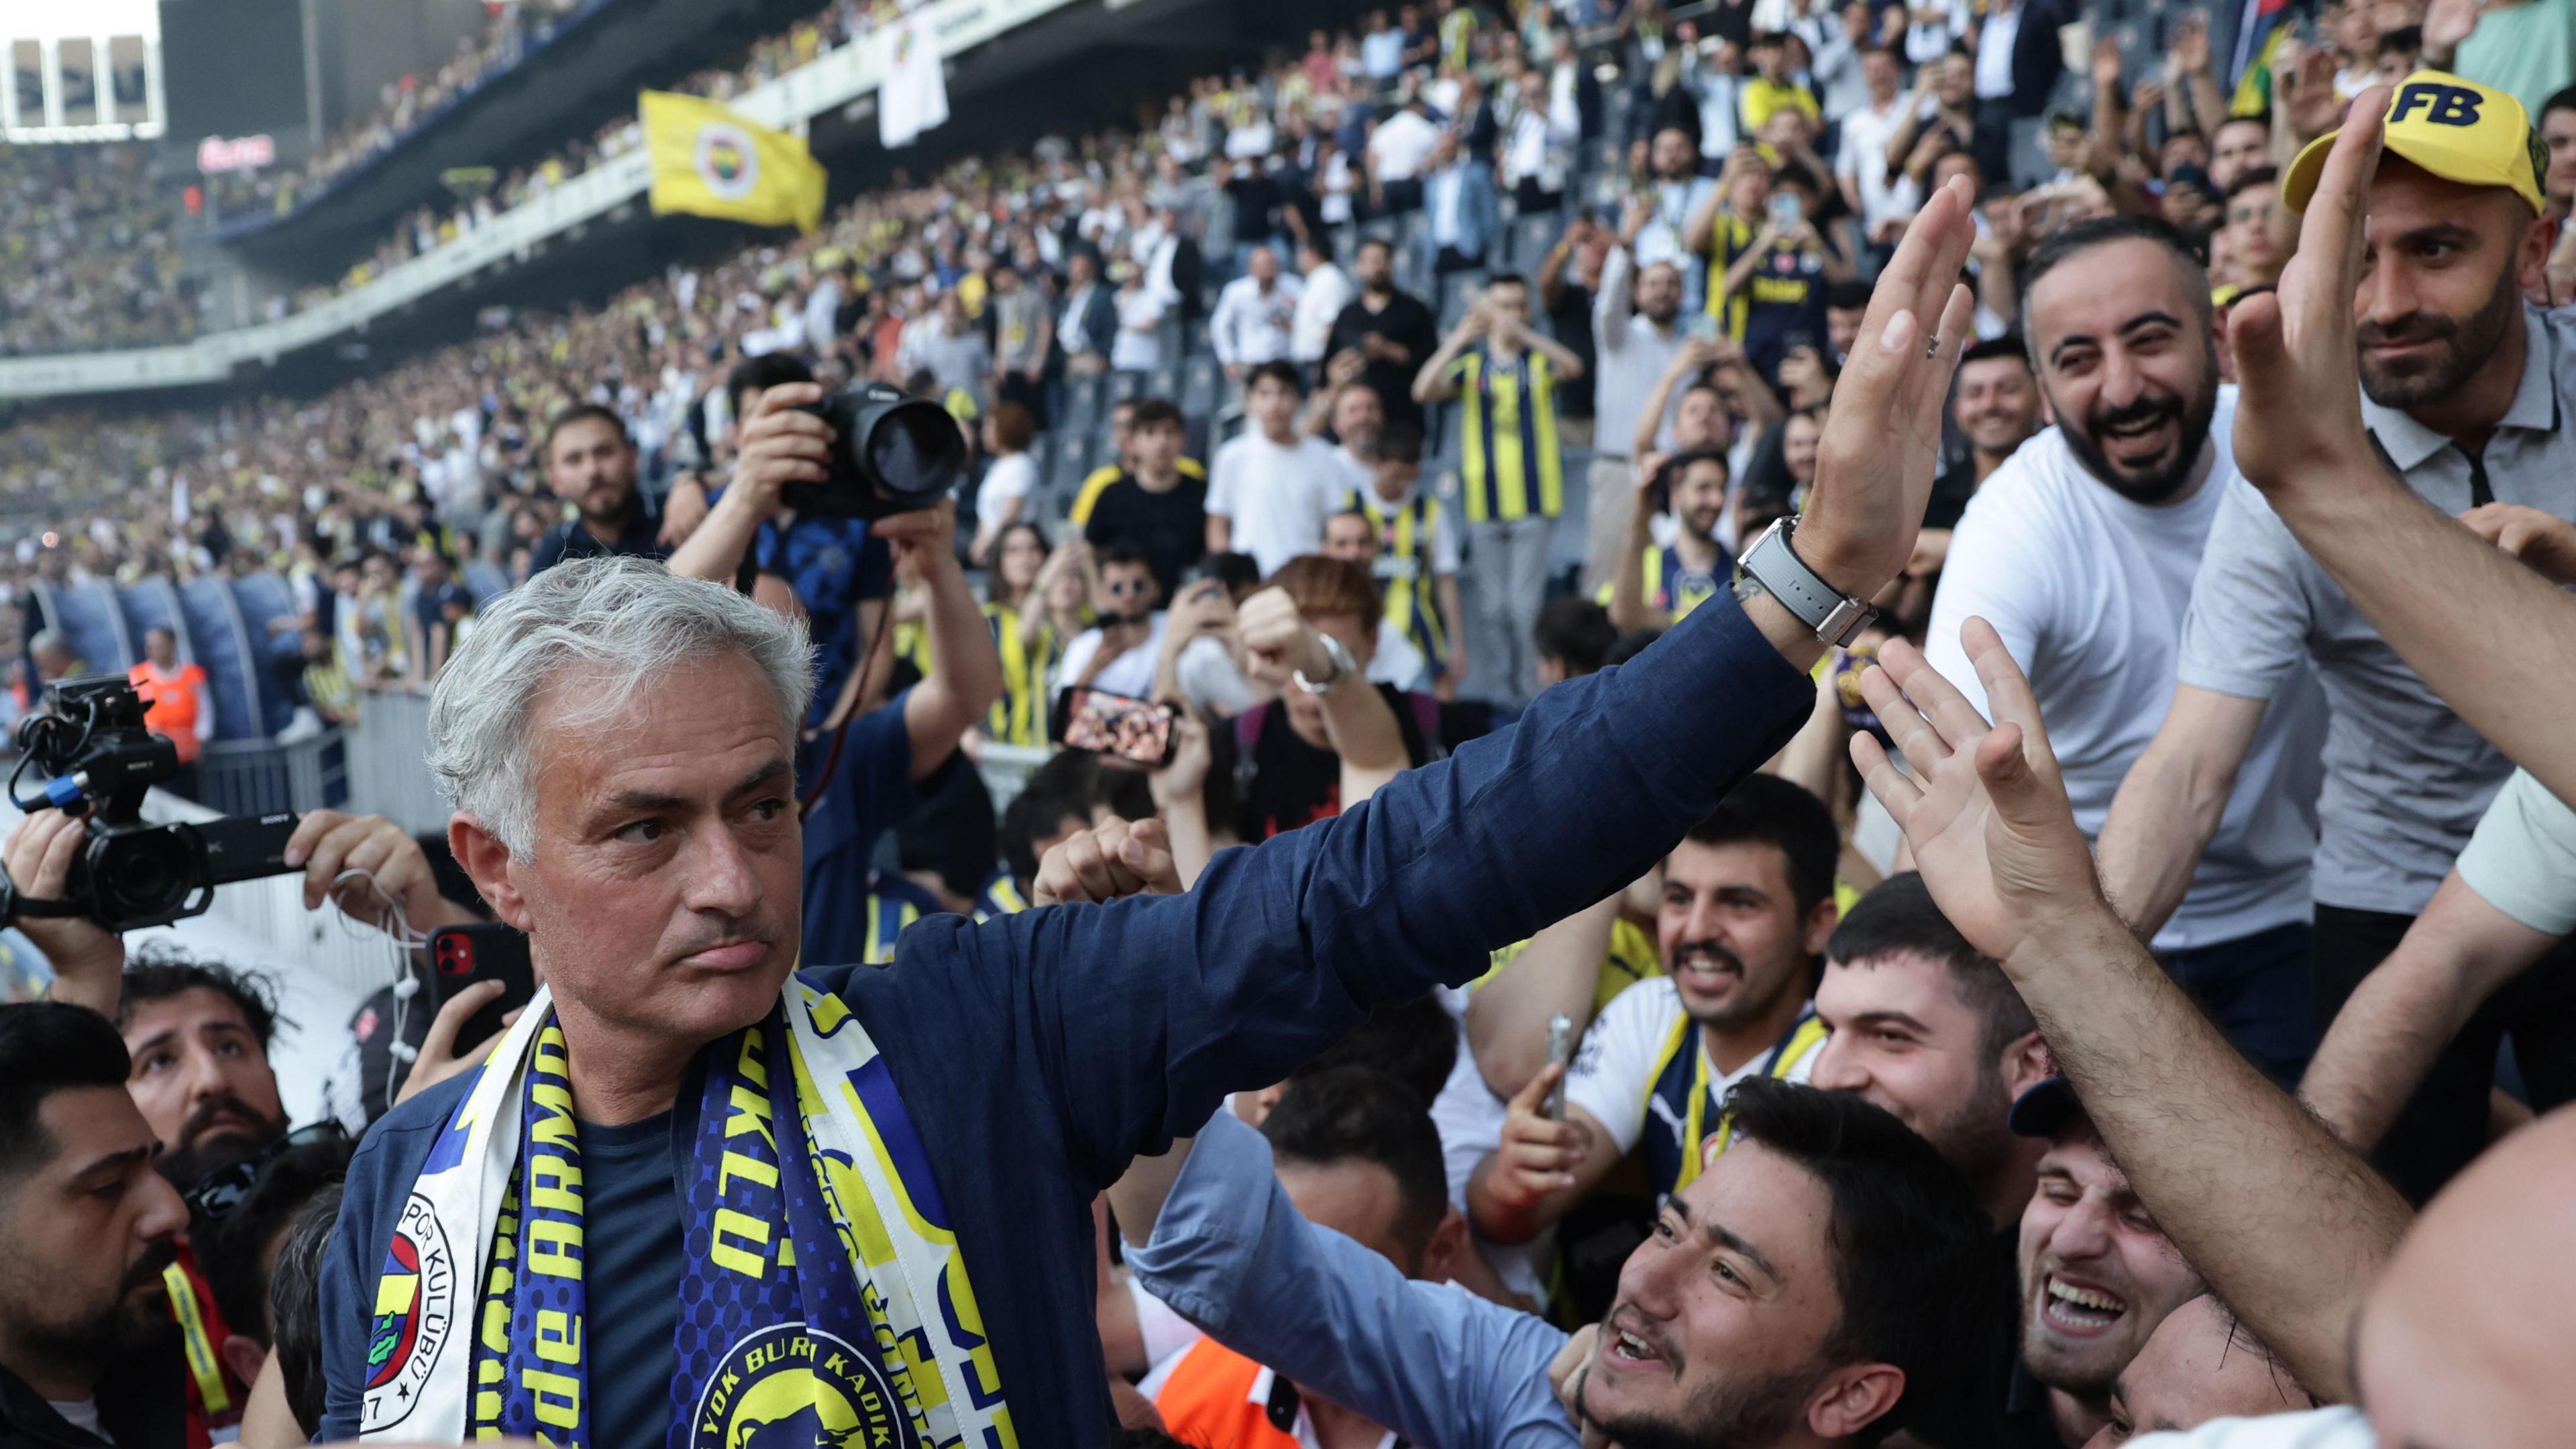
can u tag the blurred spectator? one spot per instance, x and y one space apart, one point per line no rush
1270 487
1389 329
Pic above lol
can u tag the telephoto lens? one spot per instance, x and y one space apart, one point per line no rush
895 453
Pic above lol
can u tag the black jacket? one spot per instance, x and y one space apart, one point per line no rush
2037 58
142 1404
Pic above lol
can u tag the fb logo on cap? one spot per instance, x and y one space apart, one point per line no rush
2442 105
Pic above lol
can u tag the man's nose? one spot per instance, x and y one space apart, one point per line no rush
720 875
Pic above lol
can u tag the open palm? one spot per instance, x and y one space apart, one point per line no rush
1981 804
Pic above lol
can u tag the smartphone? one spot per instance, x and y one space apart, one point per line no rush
1560 1052
1784 210
484 951
1132 729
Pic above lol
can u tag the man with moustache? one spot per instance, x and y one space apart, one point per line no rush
87 1228
2081 550
2465 391
1748 903
1656 584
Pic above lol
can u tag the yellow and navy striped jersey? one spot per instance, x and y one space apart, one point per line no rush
1098 480
1001 896
1671 586
1404 564
1512 465
1019 716
893 903
1632 958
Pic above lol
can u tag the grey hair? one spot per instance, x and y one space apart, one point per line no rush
48 641
627 620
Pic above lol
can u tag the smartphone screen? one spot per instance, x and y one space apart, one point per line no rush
1116 724
1784 210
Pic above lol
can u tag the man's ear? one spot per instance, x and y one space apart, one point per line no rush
1254 1107
1852 1398
487 861
1821 920
2531 267
243 1356
2026 1063
1448 1244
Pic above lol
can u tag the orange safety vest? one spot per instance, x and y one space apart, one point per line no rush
171 704
1215 1398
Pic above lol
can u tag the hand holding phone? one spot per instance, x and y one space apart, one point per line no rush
484 951
1560 1053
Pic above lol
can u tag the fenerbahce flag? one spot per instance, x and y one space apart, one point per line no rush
912 88
708 161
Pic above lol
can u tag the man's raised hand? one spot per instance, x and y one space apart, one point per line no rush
1983 808
2298 416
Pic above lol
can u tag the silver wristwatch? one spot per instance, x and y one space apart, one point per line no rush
1774 567
1344 666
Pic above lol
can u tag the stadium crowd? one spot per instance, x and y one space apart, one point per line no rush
511 30
2060 993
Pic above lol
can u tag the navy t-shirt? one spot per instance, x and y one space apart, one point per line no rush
631 1313
1038 1053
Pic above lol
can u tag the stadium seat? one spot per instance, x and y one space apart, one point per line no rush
1064 477
1164 381
1202 385
261 598
1532 238
235 664
1458 292
153 604
92 624
1565 544
1126 386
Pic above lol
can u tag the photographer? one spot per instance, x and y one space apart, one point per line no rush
197 1033
836 569
862 774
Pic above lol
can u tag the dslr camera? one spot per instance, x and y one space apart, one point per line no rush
895 453
88 736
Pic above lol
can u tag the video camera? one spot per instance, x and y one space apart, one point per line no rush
88 735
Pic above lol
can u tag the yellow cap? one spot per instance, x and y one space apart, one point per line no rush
2457 129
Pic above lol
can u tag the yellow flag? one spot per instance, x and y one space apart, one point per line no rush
709 161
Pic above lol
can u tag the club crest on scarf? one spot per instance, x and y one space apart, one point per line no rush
794 1387
415 1299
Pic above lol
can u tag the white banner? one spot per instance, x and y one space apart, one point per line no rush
913 97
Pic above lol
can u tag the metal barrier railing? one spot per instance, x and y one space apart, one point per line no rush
389 764
262 777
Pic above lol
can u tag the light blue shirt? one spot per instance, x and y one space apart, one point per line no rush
1431 1361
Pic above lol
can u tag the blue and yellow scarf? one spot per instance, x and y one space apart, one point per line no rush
822 1299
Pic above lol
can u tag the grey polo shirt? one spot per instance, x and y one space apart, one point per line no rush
2405 778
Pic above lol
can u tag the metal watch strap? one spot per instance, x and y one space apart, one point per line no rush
1776 568
1344 666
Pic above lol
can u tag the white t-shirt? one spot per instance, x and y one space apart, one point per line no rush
1320 301
1863 158
1613 1076
1010 477
2522 859
81 1414
1401 145
2088 590
1139 347
1131 673
1276 496
2341 1427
